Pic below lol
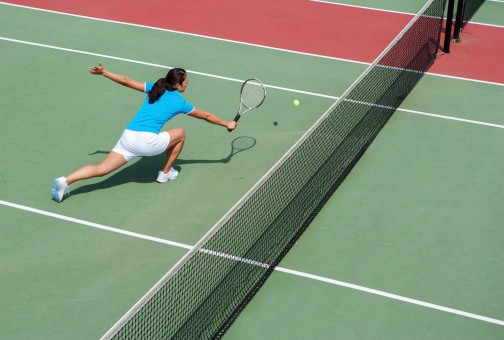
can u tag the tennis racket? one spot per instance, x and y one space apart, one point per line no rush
252 95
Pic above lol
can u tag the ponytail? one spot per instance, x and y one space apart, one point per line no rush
157 90
175 76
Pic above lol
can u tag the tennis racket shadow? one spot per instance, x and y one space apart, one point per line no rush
146 168
239 144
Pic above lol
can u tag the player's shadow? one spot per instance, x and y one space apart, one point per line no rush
145 170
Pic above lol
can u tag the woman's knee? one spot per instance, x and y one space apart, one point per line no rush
101 170
176 135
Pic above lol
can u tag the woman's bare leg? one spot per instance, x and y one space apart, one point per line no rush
112 162
177 139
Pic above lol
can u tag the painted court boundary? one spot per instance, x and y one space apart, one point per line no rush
179 32
162 29
249 44
284 270
241 81
280 269
390 11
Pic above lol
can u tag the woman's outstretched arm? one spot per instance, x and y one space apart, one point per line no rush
211 118
123 80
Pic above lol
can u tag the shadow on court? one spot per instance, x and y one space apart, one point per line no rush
146 169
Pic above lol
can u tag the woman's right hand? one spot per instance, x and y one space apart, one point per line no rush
231 125
96 69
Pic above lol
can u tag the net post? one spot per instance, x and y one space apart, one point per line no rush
459 19
448 29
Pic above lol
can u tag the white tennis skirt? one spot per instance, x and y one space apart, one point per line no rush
141 143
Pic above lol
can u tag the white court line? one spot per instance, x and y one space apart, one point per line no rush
243 43
451 118
235 80
157 65
293 272
390 11
362 7
391 296
94 225
185 33
251 262
234 258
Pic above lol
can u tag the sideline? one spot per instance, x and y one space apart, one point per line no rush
249 44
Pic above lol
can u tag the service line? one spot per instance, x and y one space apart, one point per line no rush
234 79
236 258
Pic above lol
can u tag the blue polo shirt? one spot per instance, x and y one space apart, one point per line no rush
152 117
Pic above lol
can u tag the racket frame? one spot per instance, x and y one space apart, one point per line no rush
241 98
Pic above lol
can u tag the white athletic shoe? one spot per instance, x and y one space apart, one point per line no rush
60 186
171 175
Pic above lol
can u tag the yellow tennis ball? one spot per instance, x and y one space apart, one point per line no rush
296 102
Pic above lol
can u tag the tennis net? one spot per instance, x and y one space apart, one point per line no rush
201 296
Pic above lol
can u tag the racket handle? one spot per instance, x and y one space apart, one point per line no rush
236 120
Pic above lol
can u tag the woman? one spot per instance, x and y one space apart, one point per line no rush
142 137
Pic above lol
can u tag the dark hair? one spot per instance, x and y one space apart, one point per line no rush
175 76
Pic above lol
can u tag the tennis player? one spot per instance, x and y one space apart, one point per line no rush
142 136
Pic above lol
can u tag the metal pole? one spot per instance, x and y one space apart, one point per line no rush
448 30
458 20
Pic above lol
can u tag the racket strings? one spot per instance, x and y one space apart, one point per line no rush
253 94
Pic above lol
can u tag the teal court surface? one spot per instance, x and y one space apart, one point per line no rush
408 247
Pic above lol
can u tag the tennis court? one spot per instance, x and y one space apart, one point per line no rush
408 247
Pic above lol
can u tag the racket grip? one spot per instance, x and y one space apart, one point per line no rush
236 120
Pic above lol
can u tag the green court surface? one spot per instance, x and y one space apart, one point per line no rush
419 217
490 13
412 6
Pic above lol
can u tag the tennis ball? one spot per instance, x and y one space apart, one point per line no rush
296 102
